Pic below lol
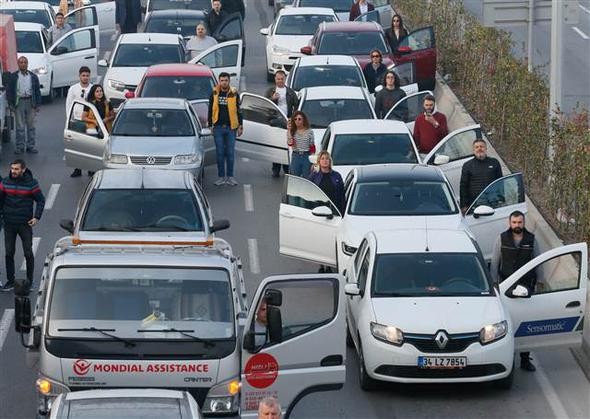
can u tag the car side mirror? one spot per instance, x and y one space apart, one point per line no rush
378 88
205 132
67 225
441 159
520 291
404 50
264 31
22 314
323 211
483 211
352 289
103 63
249 342
219 225
306 50
129 94
275 323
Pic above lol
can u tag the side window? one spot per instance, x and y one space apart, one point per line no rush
408 109
558 274
325 140
77 123
459 146
222 57
305 194
419 39
76 41
319 295
363 272
82 17
406 73
260 110
503 192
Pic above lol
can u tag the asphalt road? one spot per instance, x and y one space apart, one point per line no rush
575 46
557 389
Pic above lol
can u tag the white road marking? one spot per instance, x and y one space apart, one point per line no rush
245 159
550 394
107 55
64 158
5 325
579 32
253 256
36 240
584 8
51 195
248 198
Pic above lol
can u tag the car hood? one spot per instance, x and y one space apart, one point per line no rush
36 60
127 75
153 146
292 42
427 315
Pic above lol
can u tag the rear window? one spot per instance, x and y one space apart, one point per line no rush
186 87
325 111
185 27
32 16
352 43
124 407
336 5
29 42
153 123
179 4
301 24
145 55
327 75
363 149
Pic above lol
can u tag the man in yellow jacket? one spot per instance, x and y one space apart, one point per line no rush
225 118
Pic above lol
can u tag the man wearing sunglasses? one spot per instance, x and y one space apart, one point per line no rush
78 91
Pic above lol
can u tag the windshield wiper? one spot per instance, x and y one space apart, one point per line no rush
206 342
164 228
128 343
115 229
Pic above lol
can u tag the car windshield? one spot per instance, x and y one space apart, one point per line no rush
29 42
124 407
130 300
183 26
179 4
28 15
429 275
336 5
186 87
352 43
363 149
153 123
402 197
144 55
327 75
142 210
325 111
301 24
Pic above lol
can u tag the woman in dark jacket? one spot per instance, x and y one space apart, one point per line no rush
396 33
375 70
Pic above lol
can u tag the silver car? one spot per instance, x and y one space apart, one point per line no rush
163 133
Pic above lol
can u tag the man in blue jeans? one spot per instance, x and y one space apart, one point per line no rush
225 119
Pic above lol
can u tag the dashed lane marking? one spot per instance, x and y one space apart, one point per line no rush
245 159
248 198
36 240
550 393
51 195
579 32
5 325
585 9
253 256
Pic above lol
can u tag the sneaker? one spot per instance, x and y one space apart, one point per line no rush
231 181
527 365
32 151
220 181
9 286
76 173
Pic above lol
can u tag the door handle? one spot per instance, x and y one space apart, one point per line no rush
89 57
332 360
572 304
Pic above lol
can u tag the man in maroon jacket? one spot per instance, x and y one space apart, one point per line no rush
430 127
358 8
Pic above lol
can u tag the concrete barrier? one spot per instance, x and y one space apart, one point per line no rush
458 117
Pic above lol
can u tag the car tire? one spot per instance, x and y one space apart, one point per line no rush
367 383
506 382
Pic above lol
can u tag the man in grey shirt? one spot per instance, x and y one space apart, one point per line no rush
200 42
59 28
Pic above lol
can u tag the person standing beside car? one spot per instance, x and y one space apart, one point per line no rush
216 15
387 97
430 126
286 100
360 7
374 71
513 249
59 28
301 140
396 33
79 90
127 15
200 42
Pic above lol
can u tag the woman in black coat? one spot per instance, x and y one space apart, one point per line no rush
396 33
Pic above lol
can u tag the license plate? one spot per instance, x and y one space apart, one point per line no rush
442 362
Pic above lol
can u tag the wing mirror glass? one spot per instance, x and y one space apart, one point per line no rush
441 159
483 211
352 289
322 211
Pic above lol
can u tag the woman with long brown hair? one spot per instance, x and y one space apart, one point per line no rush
396 33
301 140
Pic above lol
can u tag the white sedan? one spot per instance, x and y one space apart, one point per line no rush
422 308
291 30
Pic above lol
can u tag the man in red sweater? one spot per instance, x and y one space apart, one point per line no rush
430 127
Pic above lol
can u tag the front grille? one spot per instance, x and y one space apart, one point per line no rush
407 371
150 160
427 344
199 393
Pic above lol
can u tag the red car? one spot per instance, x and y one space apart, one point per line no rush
359 38
193 82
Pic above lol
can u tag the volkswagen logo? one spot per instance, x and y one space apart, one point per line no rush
441 339
150 160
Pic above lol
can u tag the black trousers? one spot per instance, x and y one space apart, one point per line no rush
25 232
276 168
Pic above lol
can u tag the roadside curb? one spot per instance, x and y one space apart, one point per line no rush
458 117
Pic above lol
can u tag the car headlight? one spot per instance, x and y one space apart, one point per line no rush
348 250
40 71
223 398
117 85
389 334
187 159
493 332
280 50
118 158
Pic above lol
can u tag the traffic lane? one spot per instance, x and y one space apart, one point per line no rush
259 15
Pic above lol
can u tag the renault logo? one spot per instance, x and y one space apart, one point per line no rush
441 339
150 160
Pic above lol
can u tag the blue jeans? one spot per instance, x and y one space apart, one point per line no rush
225 146
300 165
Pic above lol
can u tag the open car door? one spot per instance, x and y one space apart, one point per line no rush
73 50
487 217
551 314
265 130
225 57
84 148
408 108
452 152
98 14
407 77
286 356
419 47
308 222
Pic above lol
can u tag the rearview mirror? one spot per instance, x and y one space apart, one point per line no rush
441 159
103 63
306 50
205 132
520 291
129 94
264 31
322 211
219 225
483 211
351 289
275 323
67 225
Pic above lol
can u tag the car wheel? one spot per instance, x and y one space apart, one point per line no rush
506 382
367 383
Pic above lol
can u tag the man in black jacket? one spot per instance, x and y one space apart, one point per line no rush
215 16
17 193
287 101
127 15
477 174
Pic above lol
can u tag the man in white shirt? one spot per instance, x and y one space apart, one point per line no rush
200 42
78 91
59 28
